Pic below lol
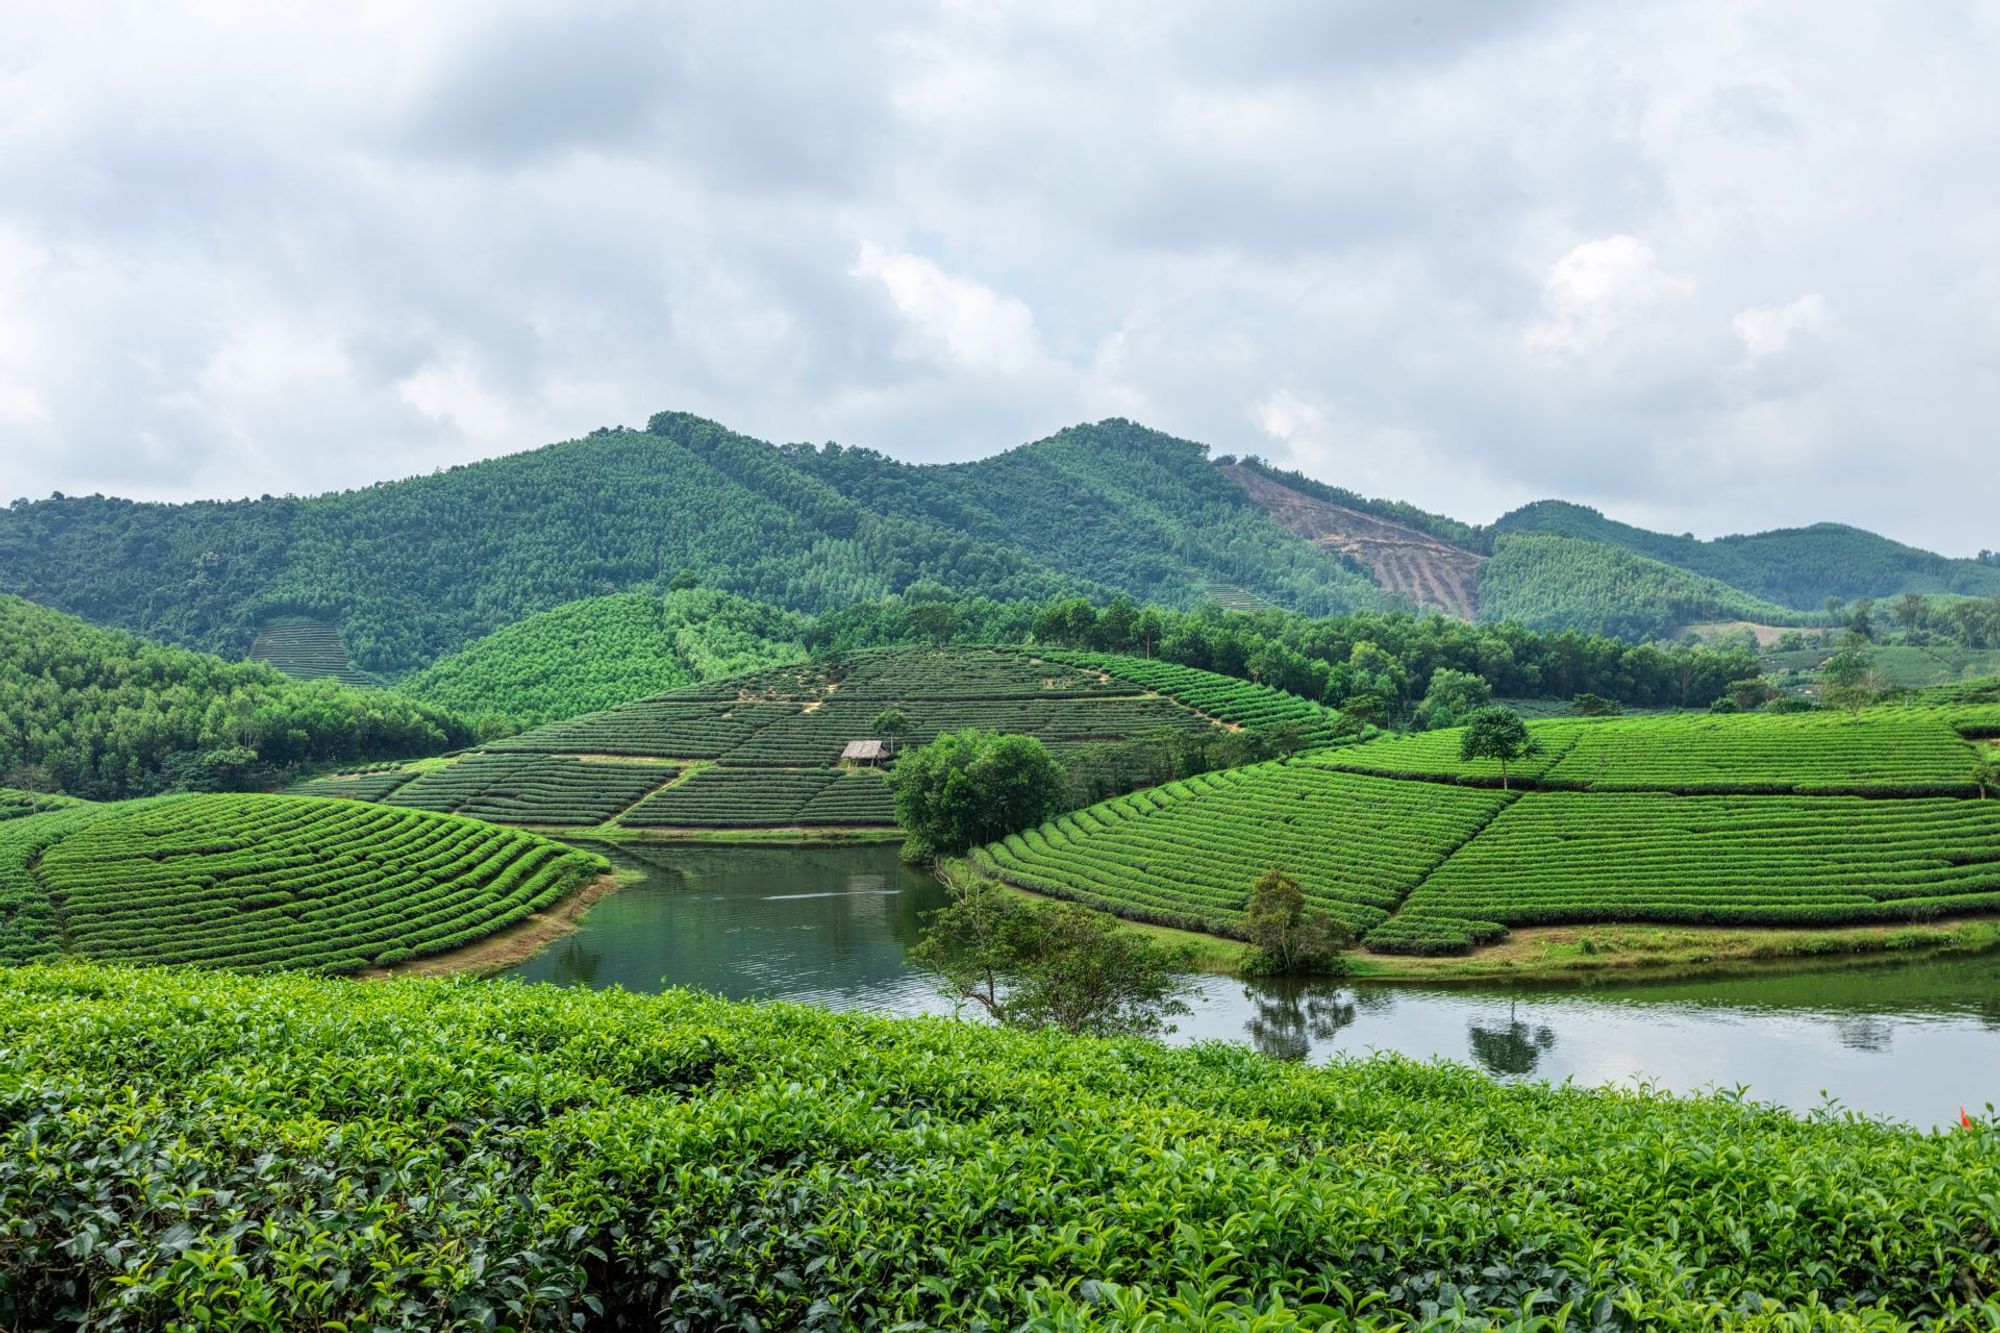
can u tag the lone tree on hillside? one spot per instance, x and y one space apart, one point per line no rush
1986 771
890 724
1846 679
1033 964
969 787
1497 733
1288 936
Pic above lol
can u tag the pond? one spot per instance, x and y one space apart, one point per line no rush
830 926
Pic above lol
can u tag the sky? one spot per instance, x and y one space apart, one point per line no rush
1710 267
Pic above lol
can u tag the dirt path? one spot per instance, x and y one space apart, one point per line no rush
507 948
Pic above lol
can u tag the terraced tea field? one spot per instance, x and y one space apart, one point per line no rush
764 748
1753 819
254 883
307 649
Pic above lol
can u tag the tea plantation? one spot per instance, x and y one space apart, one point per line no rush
1756 819
256 883
762 749
196 1150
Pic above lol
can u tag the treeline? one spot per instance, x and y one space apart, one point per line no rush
100 714
1389 655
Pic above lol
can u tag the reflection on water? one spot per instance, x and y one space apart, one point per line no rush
831 925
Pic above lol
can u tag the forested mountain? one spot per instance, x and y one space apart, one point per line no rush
410 570
397 575
1795 567
1115 502
1552 582
593 654
101 714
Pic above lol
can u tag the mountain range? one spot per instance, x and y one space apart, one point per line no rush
407 571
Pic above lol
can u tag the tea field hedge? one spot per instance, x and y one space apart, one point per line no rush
1748 819
268 882
1884 751
784 727
1187 853
183 1149
1560 858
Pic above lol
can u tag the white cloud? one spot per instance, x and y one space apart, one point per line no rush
1600 289
955 320
1520 250
1768 330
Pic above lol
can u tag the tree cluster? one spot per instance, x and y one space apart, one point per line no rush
101 714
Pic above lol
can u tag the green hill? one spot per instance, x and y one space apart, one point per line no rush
99 713
1752 819
1556 582
602 651
406 571
763 749
1794 567
552 1157
1113 502
267 882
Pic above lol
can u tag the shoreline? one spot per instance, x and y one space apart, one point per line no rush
508 947
1610 954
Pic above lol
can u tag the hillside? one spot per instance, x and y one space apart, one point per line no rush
1133 508
404 572
762 750
1415 565
1753 819
1794 567
596 653
256 883
545 1157
99 713
1546 581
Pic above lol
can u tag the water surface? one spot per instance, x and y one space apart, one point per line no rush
830 926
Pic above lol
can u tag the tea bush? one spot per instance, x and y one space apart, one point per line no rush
182 1150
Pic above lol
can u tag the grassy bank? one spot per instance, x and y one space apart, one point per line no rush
219 1151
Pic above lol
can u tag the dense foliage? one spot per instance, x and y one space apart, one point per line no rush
1113 503
1546 581
971 786
102 714
1033 964
411 570
205 1150
262 882
1795 567
604 651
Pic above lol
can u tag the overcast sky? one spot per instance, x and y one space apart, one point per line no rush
1710 267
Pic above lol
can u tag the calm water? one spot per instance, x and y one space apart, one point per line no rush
830 926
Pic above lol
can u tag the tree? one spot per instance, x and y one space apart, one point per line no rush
1910 609
1595 705
1287 935
1034 964
1986 771
1844 679
1753 692
889 724
970 787
1450 696
1497 733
